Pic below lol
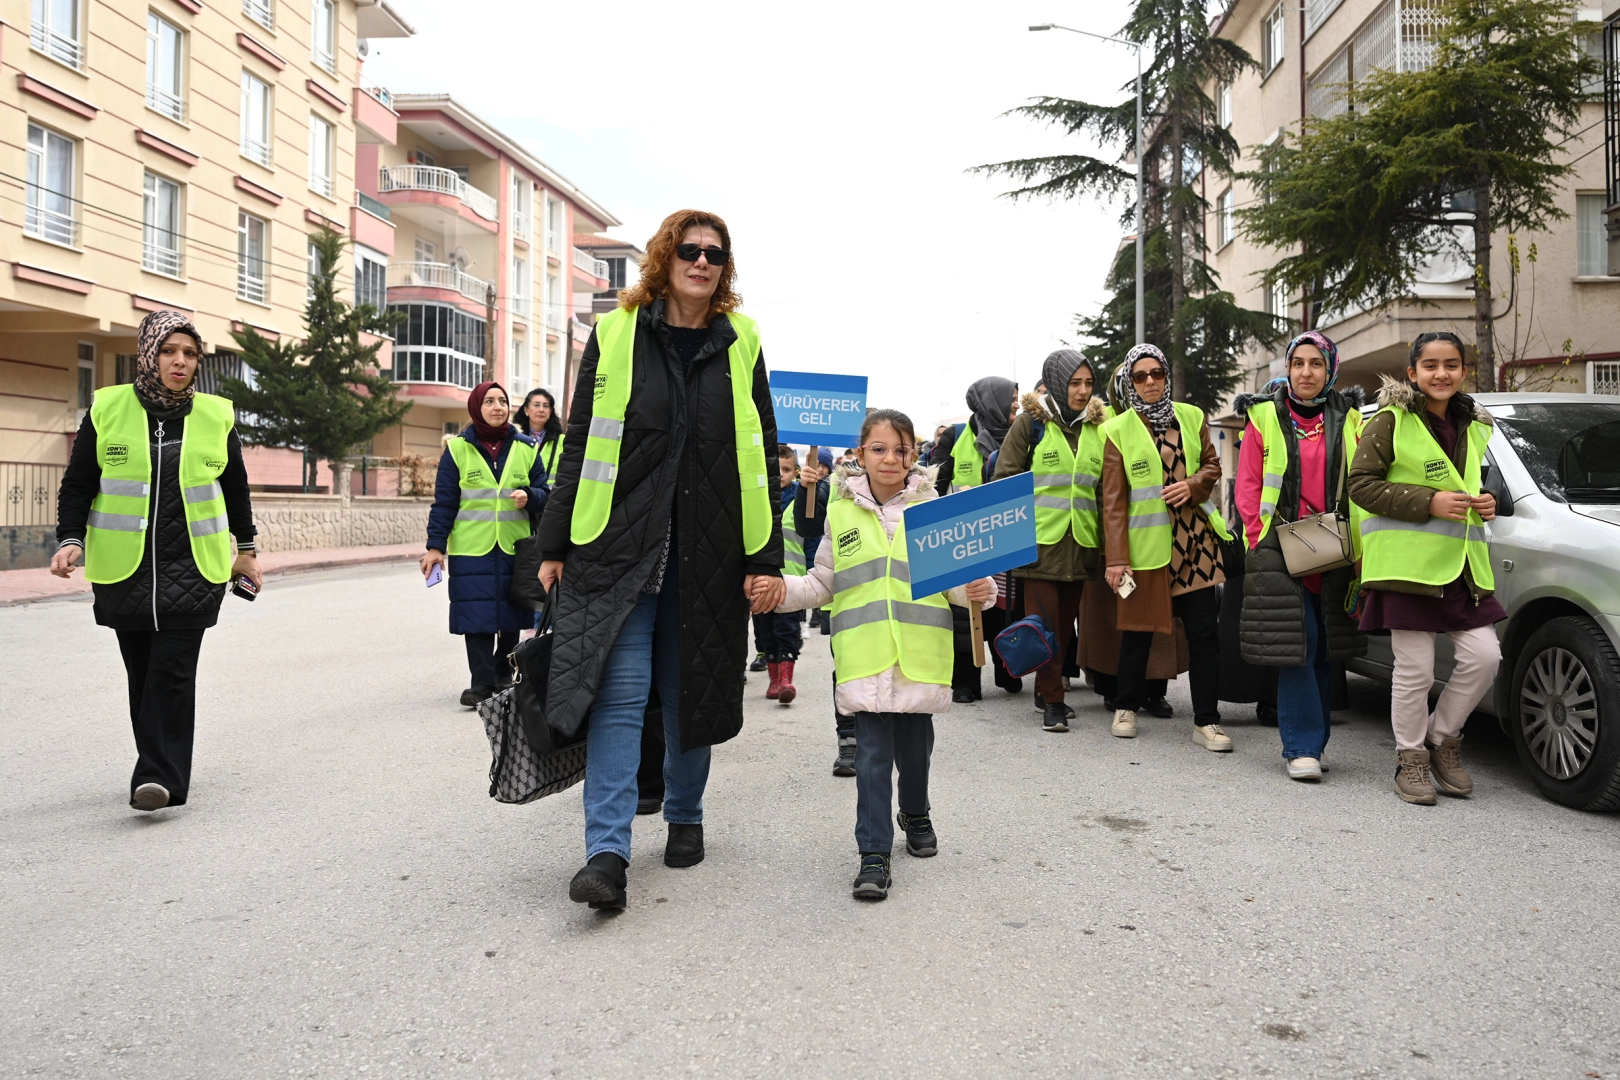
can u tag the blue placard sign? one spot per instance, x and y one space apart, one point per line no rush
972 534
818 410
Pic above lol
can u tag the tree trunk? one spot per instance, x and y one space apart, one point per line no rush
1484 331
1178 242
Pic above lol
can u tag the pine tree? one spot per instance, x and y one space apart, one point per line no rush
323 394
1364 198
1201 327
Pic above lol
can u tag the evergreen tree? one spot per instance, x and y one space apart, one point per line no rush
323 394
1364 198
1200 326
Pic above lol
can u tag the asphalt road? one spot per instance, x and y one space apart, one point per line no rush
340 898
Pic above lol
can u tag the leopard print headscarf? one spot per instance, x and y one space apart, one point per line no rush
149 385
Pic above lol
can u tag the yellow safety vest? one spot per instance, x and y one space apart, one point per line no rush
1150 530
117 533
1263 415
967 464
875 622
487 515
793 564
1066 485
550 454
615 370
1431 552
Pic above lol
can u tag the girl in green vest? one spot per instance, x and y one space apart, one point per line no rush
892 652
1426 566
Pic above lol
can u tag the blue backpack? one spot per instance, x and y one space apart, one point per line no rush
1026 646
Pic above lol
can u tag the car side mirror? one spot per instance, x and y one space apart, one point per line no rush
1490 479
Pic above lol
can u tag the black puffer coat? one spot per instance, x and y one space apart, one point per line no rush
167 591
1272 630
678 458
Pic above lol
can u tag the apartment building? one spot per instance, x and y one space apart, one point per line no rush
1307 51
486 265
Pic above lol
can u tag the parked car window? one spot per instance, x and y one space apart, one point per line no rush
1571 450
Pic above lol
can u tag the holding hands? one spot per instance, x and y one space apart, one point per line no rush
764 592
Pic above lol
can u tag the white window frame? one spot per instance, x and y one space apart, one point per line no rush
251 286
64 44
160 245
522 207
87 362
257 146
1223 105
312 267
1225 218
426 248
368 261
40 219
1274 39
323 34
168 100
1591 236
322 149
554 228
262 12
521 274
1603 376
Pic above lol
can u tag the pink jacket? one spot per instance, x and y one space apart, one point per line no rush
887 691
1251 480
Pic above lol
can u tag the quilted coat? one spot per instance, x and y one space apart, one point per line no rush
677 463
479 584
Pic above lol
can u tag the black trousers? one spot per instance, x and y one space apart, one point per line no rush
1200 613
650 776
778 635
162 670
964 675
486 658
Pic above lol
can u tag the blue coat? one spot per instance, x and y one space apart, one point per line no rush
479 584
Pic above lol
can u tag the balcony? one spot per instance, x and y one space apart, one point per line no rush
594 270
436 181
554 319
162 257
520 307
167 104
434 275
375 121
436 365
59 47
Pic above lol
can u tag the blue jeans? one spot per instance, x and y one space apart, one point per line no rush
883 742
648 649
1305 694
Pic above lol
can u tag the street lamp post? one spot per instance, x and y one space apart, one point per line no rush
1141 163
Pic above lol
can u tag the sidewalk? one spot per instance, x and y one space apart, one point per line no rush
26 586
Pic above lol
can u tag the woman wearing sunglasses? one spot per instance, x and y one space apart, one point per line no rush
663 531
1160 529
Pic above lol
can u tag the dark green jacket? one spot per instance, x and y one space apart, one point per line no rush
1065 560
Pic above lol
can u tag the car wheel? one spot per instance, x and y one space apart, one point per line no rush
1565 685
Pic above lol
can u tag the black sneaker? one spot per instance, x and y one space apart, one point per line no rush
473 695
815 618
600 883
685 845
963 697
1055 717
873 881
1159 707
920 838
649 806
760 663
1040 702
845 765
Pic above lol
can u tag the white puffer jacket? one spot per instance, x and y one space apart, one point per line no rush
887 691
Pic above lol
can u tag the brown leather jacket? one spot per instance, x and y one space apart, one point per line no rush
1116 492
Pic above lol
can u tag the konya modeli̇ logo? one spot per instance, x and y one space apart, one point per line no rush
1050 457
849 542
1139 469
476 476
1436 469
117 453
215 463
601 388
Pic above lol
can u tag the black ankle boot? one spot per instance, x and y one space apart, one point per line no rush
685 845
600 882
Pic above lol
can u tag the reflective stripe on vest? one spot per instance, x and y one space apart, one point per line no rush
116 535
967 464
875 622
1263 415
615 370
487 515
1150 530
1430 552
793 564
1066 485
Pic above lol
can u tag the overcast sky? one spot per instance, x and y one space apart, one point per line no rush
833 139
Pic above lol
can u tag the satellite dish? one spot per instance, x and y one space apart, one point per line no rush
459 258
362 48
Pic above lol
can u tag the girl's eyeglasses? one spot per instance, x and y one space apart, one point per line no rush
881 450
690 253
1154 375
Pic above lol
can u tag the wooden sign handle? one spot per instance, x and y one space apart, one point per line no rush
976 621
810 492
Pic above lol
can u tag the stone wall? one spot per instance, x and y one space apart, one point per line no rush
301 522
26 547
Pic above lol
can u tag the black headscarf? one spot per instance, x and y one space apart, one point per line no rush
154 393
1056 373
991 400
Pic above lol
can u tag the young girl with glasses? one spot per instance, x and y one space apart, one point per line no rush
892 652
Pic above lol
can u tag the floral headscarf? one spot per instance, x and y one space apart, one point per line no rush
149 385
1330 352
1162 413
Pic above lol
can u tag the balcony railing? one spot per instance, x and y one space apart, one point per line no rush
160 259
260 12
255 150
372 206
553 243
166 103
554 319
443 181
250 285
30 492
590 263
437 364
56 46
381 93
50 225
433 275
520 307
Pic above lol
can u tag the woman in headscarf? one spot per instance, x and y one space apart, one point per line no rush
489 484
1297 625
153 492
1159 468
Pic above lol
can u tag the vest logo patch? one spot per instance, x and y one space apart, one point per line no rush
215 463
1050 457
601 388
849 542
476 476
117 453
1436 469
1140 469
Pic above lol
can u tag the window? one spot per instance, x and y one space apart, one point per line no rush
426 252
1277 300
370 277
260 12
320 156
521 194
255 118
160 236
1225 218
1592 44
1223 105
312 270
1316 13
1591 241
616 271
520 288
124 365
554 226
421 157
323 35
1273 39
164 42
55 31
252 235
50 211
438 343
553 302
87 375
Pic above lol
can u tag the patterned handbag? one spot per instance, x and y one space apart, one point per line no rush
520 774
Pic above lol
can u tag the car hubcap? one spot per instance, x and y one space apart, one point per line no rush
1558 711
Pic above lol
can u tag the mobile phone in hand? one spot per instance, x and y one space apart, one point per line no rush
243 586
1127 585
435 575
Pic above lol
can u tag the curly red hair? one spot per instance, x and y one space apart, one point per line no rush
661 249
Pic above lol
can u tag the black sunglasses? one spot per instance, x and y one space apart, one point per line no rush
1140 377
690 253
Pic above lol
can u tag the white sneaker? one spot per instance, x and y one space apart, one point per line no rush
150 797
1124 726
1211 737
1304 768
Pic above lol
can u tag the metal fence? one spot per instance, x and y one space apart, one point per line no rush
30 492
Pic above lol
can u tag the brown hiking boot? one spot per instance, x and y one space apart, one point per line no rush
1445 760
1412 781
